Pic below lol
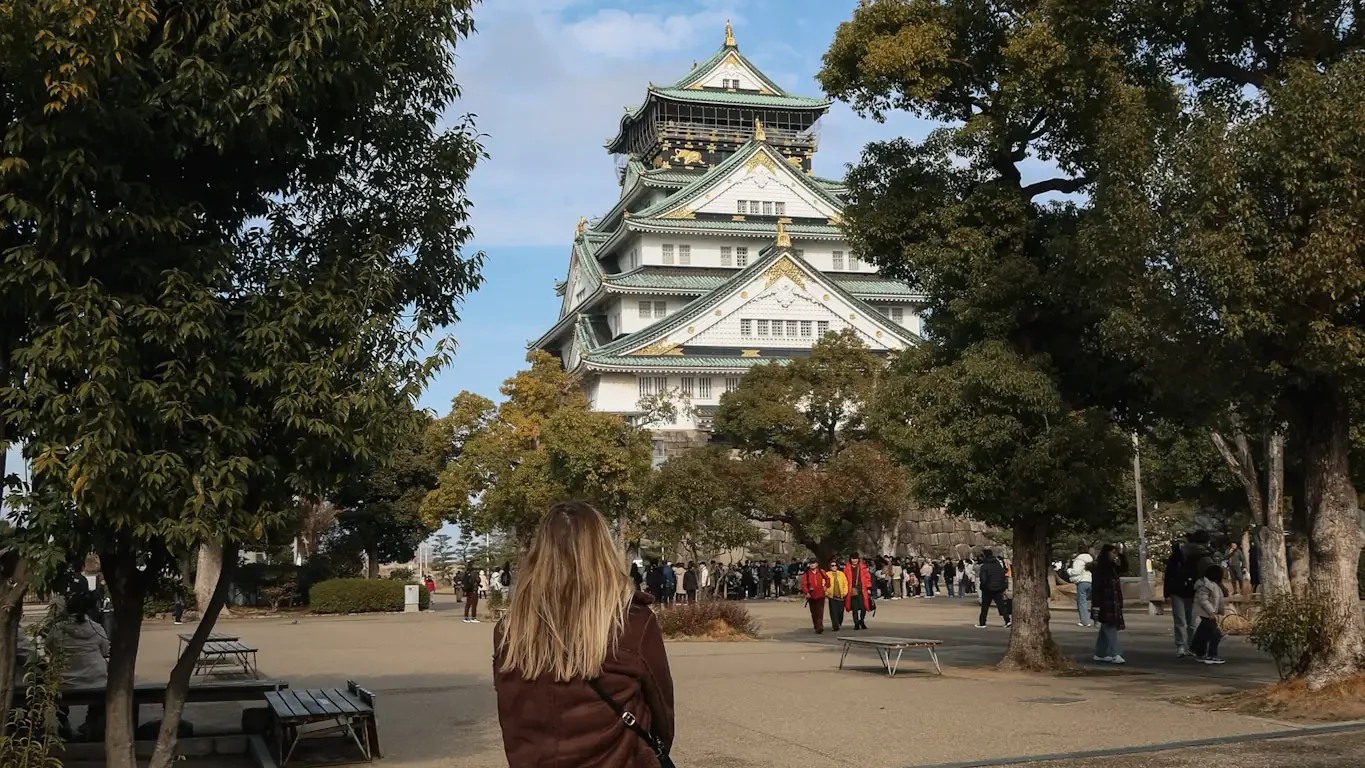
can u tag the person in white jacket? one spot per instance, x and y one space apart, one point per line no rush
1080 576
1209 599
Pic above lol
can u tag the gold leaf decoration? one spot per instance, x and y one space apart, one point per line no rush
658 348
785 268
748 353
760 160
680 213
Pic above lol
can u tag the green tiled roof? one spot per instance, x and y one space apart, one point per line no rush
742 98
757 228
677 362
673 176
724 168
704 68
701 280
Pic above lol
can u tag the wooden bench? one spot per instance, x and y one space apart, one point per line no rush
885 645
320 714
226 654
200 691
214 637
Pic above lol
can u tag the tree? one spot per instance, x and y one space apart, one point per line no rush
380 503
1015 319
541 445
442 556
808 460
697 500
1256 234
230 229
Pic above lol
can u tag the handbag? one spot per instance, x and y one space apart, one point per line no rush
660 749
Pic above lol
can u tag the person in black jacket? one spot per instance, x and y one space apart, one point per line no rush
949 575
654 579
690 582
994 583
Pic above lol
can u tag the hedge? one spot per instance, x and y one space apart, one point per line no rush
361 596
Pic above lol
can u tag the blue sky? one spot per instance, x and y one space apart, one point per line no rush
548 81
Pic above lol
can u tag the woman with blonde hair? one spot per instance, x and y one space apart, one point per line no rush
578 662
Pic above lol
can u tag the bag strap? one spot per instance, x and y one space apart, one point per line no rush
660 749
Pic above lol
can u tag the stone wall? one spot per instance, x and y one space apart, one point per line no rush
921 532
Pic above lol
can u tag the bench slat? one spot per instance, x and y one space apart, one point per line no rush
292 703
311 704
340 701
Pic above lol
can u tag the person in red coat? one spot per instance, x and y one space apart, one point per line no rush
813 587
859 599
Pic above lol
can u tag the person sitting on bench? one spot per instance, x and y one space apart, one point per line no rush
84 649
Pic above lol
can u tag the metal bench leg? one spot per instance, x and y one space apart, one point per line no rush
934 655
844 656
893 667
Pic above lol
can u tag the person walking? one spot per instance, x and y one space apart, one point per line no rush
178 607
994 584
859 599
897 579
1210 597
1080 575
1237 567
1107 612
704 578
679 583
1187 564
813 587
470 584
949 575
836 589
579 665
690 582
926 579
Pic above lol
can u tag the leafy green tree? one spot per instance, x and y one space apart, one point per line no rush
380 502
697 500
1256 236
442 556
808 459
542 444
1022 385
230 229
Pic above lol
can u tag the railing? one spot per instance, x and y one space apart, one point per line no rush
780 136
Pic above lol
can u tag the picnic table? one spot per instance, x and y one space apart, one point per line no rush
199 691
226 653
322 713
885 645
214 637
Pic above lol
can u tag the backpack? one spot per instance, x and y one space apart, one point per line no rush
1189 573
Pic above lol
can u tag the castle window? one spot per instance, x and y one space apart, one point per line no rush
777 327
854 263
746 327
767 208
822 327
646 310
684 254
762 327
805 328
839 260
704 389
780 208
897 314
661 309
689 384
725 256
668 253
741 256
731 383
791 328
742 207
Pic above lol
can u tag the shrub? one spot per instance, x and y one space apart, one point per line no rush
707 618
362 596
495 601
401 574
1293 630
162 600
272 585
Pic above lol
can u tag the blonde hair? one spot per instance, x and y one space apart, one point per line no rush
573 592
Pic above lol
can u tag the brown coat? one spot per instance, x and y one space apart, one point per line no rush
546 724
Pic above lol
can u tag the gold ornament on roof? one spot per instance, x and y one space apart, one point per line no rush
582 224
729 35
759 133
748 353
784 268
658 348
783 239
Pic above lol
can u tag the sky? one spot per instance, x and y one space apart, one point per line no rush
547 81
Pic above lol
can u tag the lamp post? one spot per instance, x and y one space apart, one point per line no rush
1145 589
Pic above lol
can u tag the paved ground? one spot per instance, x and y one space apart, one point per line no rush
1334 751
752 704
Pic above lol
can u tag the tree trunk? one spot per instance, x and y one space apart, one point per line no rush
207 575
371 562
12 591
1335 538
1298 554
127 590
1273 563
174 707
1031 647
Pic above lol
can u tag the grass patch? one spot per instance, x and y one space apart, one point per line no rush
1291 700
715 620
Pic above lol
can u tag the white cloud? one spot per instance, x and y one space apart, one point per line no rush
620 34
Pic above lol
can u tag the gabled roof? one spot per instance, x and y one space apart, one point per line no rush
718 59
766 260
695 281
721 171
